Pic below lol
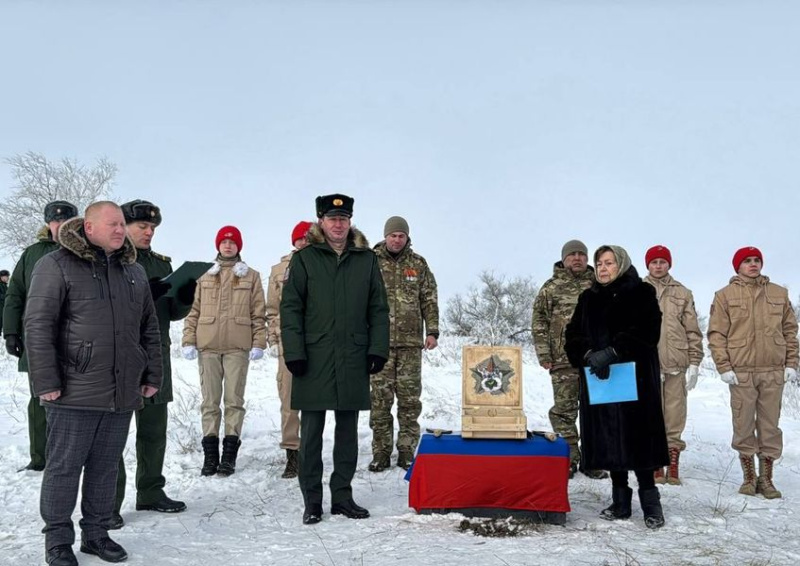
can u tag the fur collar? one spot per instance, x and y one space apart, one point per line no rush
71 236
240 268
355 239
44 235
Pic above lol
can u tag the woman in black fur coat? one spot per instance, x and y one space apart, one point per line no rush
618 320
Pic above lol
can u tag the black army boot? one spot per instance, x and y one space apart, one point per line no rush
292 464
620 507
650 500
211 456
230 448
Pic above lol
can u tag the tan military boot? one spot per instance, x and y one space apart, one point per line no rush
658 476
748 486
673 477
764 485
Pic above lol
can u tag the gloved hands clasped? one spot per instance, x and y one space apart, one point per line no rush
599 361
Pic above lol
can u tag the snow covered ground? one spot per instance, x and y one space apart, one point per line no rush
254 516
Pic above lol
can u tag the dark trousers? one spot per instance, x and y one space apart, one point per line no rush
643 477
345 455
37 431
88 441
151 444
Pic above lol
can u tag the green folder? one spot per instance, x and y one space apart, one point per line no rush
189 271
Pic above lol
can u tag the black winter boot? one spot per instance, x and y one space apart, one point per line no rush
621 504
230 448
650 499
292 464
211 456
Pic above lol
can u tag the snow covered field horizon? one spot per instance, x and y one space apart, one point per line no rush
254 517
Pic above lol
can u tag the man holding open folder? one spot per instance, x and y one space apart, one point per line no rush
142 218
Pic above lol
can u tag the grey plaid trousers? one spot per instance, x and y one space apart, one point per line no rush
88 441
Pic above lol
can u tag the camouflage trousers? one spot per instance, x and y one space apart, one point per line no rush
564 413
402 378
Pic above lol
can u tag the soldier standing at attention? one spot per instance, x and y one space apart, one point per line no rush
290 419
680 351
552 310
412 296
55 214
335 334
752 335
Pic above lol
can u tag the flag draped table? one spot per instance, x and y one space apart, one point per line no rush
522 478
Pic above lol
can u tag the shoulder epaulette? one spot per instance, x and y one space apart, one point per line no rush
161 257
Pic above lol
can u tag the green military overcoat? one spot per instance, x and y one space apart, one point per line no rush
333 315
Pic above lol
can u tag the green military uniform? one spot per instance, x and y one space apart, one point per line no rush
333 316
552 310
151 421
3 291
13 311
413 300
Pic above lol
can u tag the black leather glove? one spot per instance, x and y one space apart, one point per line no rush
375 363
185 292
600 360
14 345
158 288
297 367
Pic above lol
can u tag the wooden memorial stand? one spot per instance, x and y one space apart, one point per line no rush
491 400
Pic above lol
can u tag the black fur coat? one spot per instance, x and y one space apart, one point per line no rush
625 315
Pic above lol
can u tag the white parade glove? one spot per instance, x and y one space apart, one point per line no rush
790 375
189 352
273 351
256 353
691 377
663 378
729 377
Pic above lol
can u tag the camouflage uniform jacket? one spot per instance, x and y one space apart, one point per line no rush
20 283
412 294
277 275
552 311
681 342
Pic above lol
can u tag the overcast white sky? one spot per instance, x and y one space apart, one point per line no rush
498 129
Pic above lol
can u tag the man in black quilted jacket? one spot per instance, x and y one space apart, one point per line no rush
94 351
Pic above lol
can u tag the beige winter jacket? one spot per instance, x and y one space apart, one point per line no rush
681 343
752 327
274 289
228 312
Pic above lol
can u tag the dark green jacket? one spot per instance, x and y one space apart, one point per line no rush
18 287
167 310
333 314
3 291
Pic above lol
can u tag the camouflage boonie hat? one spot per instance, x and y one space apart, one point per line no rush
335 205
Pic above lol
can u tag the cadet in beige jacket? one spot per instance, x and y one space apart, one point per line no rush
227 327
290 420
752 334
680 351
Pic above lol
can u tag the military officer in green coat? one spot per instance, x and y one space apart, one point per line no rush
142 219
335 334
55 214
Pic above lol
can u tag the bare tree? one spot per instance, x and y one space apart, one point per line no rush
496 312
38 181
